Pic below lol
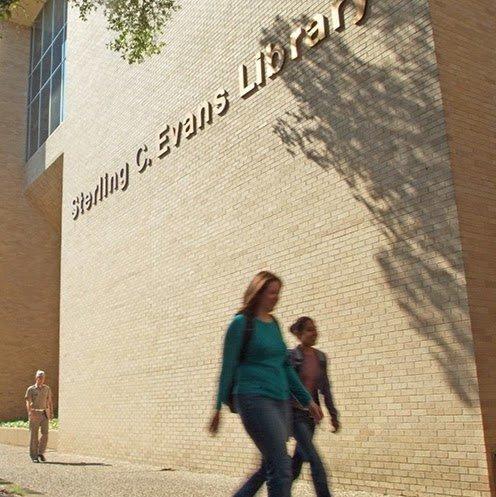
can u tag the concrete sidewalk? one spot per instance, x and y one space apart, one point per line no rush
69 475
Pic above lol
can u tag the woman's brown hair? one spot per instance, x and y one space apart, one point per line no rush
252 294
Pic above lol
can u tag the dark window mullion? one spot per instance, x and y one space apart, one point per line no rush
59 65
37 81
53 21
30 79
39 124
42 25
64 42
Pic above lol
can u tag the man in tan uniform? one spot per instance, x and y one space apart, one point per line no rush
40 410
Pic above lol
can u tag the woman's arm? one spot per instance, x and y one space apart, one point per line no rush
301 393
230 358
295 385
326 392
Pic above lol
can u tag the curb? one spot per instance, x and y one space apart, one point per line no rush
20 437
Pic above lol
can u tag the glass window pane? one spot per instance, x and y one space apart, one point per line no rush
46 80
35 82
33 126
58 15
46 69
28 132
55 99
47 24
57 52
30 83
36 41
44 113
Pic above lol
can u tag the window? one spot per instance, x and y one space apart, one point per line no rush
46 74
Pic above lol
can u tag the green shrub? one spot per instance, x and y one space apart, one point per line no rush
24 423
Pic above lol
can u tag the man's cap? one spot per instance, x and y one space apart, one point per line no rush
40 373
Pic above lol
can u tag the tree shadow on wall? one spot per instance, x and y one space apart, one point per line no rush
377 120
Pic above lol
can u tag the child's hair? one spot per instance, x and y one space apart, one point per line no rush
299 325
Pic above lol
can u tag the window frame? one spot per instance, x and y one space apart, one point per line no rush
37 60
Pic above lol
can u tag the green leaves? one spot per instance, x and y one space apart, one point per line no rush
6 8
24 423
138 24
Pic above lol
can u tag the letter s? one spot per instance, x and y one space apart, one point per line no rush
221 102
75 208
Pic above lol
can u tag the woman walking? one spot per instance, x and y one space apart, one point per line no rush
256 370
311 365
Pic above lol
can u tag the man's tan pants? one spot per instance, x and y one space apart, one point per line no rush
36 421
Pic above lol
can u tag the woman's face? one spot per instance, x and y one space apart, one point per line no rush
309 334
270 296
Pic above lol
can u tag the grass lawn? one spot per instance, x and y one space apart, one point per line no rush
9 488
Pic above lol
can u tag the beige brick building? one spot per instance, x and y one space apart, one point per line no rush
29 243
360 171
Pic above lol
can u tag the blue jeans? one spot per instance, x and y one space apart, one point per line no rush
303 431
267 421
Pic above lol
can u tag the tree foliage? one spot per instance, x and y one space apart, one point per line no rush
137 24
7 7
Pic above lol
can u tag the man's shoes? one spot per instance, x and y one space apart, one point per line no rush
42 458
34 459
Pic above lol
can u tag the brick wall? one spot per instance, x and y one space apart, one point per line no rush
29 247
465 47
336 175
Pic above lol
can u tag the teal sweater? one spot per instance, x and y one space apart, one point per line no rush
266 369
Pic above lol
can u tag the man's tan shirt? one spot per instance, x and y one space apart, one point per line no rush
39 398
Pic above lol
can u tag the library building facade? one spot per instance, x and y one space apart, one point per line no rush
346 145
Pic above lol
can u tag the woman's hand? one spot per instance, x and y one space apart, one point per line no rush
315 411
213 427
335 424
